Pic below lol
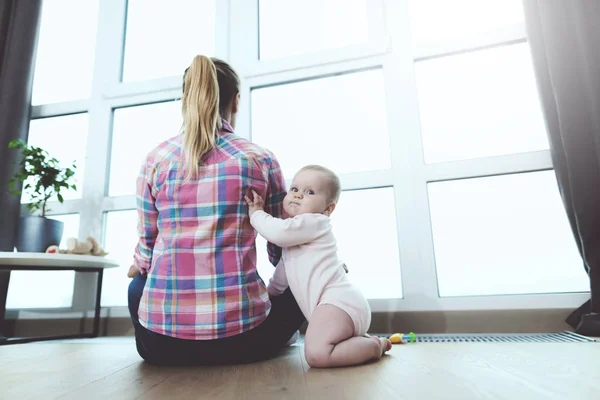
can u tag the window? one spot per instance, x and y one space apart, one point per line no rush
45 289
488 231
333 24
434 20
364 224
65 51
308 122
434 128
65 139
120 239
136 131
162 37
367 242
469 105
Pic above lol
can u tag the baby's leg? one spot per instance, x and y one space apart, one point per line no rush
330 340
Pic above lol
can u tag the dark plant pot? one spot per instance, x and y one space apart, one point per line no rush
36 234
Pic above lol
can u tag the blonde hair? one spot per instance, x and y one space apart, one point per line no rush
209 86
335 186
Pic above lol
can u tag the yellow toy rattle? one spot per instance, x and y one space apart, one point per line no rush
403 338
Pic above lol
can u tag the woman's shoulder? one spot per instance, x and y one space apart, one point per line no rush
169 150
247 148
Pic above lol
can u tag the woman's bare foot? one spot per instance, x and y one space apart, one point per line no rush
383 344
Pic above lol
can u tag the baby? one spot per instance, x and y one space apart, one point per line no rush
338 314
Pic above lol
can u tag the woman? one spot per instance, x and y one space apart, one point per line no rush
198 298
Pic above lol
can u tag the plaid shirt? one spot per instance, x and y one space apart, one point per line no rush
196 242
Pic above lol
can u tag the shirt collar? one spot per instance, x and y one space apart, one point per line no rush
225 126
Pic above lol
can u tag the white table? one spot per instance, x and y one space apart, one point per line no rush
10 261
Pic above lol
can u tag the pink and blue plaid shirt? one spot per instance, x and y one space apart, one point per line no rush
196 242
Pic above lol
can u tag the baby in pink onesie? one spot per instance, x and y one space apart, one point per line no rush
338 314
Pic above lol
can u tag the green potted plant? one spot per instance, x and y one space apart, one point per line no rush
42 178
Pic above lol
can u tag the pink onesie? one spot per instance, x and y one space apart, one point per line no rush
310 267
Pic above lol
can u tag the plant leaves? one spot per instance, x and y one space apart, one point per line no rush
42 176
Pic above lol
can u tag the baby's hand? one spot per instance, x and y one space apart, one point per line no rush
257 204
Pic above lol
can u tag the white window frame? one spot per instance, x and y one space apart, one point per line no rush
390 48
409 175
109 93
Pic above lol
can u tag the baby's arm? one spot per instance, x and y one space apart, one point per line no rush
278 283
286 232
289 232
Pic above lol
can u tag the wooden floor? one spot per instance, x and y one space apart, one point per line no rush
109 368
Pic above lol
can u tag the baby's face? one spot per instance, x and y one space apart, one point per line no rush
308 194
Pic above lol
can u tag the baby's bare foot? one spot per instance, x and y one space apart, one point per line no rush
383 344
386 345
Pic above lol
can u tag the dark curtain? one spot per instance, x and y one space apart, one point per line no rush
19 20
565 43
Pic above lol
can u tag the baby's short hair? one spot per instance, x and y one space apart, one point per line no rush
335 187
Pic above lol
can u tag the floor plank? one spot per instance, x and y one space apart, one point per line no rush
113 370
131 382
63 368
281 378
195 383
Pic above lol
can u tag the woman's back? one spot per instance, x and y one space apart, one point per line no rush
198 298
196 240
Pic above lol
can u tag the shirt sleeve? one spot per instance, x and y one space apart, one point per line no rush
289 232
278 283
147 219
274 204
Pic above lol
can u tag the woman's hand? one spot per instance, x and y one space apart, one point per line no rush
254 205
133 271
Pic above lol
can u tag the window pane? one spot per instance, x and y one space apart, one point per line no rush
120 239
136 131
65 61
64 138
503 235
71 229
480 104
309 122
288 27
163 37
372 259
432 20
45 289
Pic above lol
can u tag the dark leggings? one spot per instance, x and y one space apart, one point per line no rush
260 343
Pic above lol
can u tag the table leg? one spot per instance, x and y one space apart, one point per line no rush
4 281
96 330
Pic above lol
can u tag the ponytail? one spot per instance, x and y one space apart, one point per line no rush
200 109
